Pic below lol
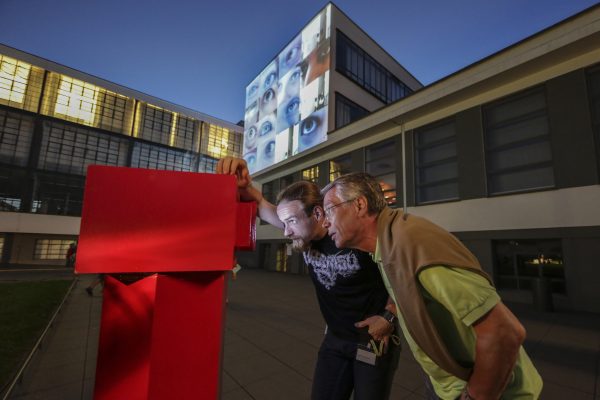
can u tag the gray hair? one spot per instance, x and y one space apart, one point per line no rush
356 184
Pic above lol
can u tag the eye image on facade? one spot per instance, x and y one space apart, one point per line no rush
286 104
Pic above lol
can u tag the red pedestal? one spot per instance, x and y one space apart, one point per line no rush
161 337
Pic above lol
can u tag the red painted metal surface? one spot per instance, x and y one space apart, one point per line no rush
162 336
139 220
246 226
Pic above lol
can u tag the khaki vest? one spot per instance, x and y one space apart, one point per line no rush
408 245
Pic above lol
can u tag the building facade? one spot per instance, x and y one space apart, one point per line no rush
330 74
55 121
504 153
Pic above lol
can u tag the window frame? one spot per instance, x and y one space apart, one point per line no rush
491 150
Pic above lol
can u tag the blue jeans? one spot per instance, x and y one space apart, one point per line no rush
338 372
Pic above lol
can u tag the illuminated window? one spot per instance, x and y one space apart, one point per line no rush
150 156
1 247
16 133
282 258
311 174
20 83
520 262
339 166
185 133
13 79
166 127
51 249
84 103
76 99
380 162
114 112
70 149
154 124
219 142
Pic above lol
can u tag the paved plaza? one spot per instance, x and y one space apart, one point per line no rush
272 336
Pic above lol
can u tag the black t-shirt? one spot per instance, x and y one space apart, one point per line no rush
348 285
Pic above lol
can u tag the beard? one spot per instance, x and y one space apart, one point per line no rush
300 245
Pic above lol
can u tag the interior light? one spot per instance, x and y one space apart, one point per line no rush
14 75
76 99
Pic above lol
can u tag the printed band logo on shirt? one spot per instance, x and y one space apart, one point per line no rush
328 268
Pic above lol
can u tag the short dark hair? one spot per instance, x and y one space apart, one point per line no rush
356 184
305 192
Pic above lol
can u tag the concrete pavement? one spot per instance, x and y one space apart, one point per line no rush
273 332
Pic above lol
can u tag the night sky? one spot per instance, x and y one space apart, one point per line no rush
202 54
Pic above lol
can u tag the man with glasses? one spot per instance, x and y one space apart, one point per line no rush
464 338
349 290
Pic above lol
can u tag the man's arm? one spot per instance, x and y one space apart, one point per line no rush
499 337
239 168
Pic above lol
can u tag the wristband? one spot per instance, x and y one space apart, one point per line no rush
389 317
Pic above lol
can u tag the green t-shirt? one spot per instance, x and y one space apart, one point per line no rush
455 299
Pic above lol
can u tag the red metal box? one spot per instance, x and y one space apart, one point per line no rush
139 220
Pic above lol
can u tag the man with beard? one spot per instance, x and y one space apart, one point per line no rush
349 289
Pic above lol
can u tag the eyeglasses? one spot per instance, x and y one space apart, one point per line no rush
329 210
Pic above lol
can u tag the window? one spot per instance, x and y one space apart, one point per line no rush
76 99
11 186
84 103
282 258
219 142
286 181
154 124
165 127
436 167
114 112
58 194
518 262
380 162
16 133
593 78
71 149
347 111
1 247
208 164
311 174
20 84
517 144
13 79
357 65
146 155
51 249
268 192
186 133
340 166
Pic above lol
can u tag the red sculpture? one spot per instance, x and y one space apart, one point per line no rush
161 336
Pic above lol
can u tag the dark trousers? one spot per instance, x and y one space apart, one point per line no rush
338 372
429 391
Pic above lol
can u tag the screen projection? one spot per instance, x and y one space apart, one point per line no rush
286 104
